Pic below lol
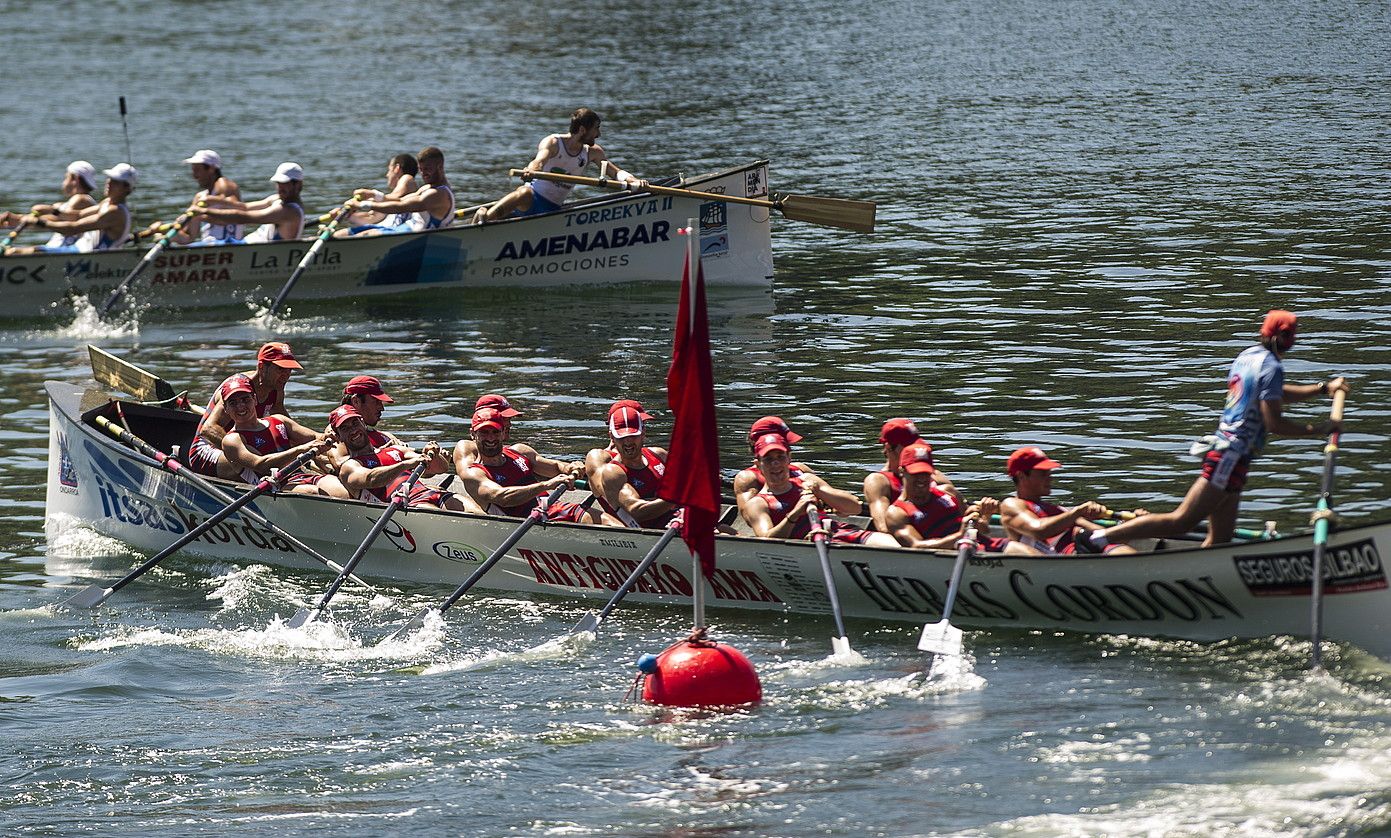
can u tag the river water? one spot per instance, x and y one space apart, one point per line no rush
1085 208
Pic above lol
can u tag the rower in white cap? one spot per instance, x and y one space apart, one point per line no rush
206 167
280 216
105 226
79 181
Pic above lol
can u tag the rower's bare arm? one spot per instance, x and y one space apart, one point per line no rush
897 524
843 502
1016 516
267 213
641 510
755 512
427 201
1302 392
357 477
545 150
465 455
110 219
1275 422
879 495
297 433
942 480
490 492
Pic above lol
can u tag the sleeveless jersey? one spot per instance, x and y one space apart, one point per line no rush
646 482
423 220
271 439
58 239
563 163
271 232
1043 509
515 470
97 240
780 505
387 455
940 517
895 481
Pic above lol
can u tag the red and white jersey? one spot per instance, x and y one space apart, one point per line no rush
1043 509
941 516
386 455
646 481
515 470
272 438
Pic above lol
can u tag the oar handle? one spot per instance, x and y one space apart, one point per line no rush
1339 399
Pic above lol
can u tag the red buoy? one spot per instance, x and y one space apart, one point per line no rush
700 673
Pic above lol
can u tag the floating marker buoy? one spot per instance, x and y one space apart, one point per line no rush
699 673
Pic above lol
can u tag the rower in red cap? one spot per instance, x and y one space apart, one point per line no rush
627 485
274 363
508 479
466 450
256 445
780 509
1256 396
373 473
597 458
749 482
1043 527
884 486
929 517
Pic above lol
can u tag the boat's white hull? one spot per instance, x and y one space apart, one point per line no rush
1248 590
611 239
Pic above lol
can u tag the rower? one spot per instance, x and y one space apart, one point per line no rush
780 509
883 487
1256 396
206 168
929 516
280 216
430 207
597 458
564 154
400 182
104 226
749 481
631 479
256 445
374 473
1046 528
274 364
508 479
466 450
79 181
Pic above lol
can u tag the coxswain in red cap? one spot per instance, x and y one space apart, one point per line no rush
1040 526
257 444
1256 396
507 479
274 364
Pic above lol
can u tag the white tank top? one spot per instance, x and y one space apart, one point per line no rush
94 240
560 163
425 221
271 232
213 233
58 239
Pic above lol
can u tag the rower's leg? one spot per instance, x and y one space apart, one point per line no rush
518 200
1222 521
333 487
1201 500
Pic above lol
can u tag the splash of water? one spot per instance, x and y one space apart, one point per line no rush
88 324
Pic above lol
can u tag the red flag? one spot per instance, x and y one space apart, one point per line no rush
692 476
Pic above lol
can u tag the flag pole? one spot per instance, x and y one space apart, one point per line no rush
692 269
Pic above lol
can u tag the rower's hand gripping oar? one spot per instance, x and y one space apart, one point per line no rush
1323 520
827 212
536 515
591 621
840 645
147 259
14 232
398 501
171 464
95 595
324 235
941 637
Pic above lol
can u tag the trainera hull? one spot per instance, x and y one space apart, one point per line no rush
1249 590
608 239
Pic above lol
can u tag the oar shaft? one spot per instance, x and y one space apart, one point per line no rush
14 232
823 552
398 500
537 514
656 190
967 547
1322 522
673 530
145 261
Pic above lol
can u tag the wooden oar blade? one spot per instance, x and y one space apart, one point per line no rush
89 597
118 374
941 638
829 212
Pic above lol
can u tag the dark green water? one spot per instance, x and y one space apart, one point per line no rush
1085 208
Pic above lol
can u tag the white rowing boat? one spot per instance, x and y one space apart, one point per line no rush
626 237
1251 589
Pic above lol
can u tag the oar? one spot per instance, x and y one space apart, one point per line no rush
827 212
146 260
1323 516
839 645
537 514
95 595
398 501
459 214
170 464
16 230
941 637
324 235
592 621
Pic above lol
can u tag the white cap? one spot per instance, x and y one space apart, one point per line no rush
123 172
207 157
84 170
286 172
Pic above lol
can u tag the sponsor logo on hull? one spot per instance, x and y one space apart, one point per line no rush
1346 569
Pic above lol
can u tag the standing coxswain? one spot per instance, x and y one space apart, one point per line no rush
430 207
280 216
560 154
275 362
1256 396
104 226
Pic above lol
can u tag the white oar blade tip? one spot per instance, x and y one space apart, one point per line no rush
303 616
89 597
840 647
940 638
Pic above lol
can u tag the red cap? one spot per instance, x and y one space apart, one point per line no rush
898 432
916 458
503 407
1028 459
235 384
772 425
486 417
1278 320
625 422
770 442
341 414
630 403
367 385
278 353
